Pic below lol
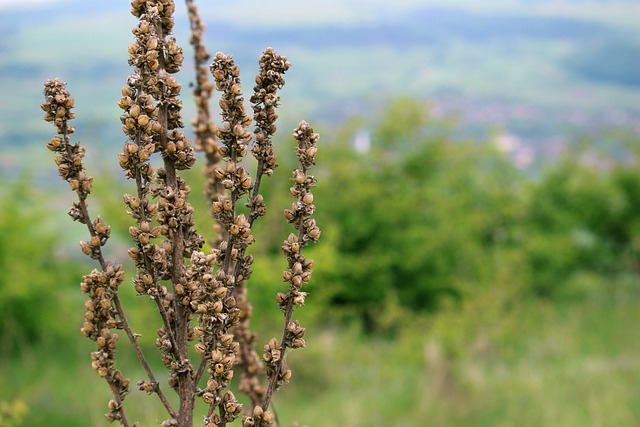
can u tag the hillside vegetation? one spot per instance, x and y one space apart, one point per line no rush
449 287
456 283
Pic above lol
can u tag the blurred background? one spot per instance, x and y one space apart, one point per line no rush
479 196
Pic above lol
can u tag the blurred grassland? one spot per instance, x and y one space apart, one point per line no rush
529 284
450 288
536 364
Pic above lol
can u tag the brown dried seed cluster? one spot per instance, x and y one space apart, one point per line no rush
102 309
230 410
102 316
101 286
233 177
57 107
155 57
307 149
174 211
301 211
119 383
164 9
259 417
208 296
233 134
300 215
265 100
100 234
140 123
204 128
299 272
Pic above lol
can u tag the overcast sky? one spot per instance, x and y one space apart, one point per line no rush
309 5
14 3
274 11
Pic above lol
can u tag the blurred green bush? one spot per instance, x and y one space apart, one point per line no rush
34 280
424 218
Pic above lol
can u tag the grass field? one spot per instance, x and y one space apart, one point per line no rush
483 364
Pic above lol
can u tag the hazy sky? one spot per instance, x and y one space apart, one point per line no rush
275 11
25 3
305 7
5 3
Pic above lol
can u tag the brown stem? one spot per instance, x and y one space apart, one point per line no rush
134 342
185 379
273 380
116 396
148 264
181 331
198 375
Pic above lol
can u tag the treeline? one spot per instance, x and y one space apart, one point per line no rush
423 220
419 221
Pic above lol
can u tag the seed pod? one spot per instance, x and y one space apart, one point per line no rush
281 298
208 398
299 177
55 142
307 199
143 120
152 43
267 417
86 247
258 412
226 339
273 343
286 375
200 348
218 75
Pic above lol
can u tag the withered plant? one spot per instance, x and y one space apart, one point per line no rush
204 337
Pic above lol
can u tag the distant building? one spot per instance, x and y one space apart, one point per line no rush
362 141
513 146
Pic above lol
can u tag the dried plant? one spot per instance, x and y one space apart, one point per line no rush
204 336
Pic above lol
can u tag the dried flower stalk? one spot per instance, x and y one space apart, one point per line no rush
104 311
205 130
299 272
199 297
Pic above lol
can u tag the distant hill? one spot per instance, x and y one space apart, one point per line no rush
540 74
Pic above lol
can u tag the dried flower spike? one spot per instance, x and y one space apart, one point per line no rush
104 311
299 272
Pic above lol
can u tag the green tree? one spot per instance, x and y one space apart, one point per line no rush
582 215
418 216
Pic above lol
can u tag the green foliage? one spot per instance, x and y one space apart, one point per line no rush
33 278
422 219
417 216
583 216
12 413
